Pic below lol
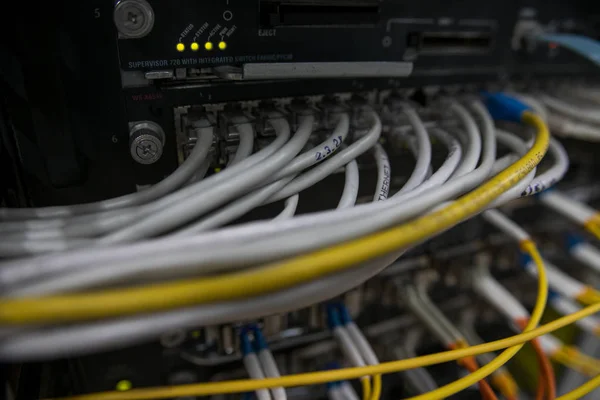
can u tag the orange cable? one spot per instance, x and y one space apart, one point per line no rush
546 377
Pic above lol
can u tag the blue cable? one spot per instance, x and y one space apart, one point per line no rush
503 107
573 241
333 316
345 316
260 342
582 45
245 344
525 259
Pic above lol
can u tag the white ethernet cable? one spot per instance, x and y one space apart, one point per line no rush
49 343
584 252
473 140
423 147
45 343
384 173
590 115
267 362
190 208
93 225
252 364
350 192
204 134
291 204
329 166
23 271
234 209
561 125
245 146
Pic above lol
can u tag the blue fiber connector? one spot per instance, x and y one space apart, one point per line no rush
503 107
333 316
246 345
259 339
525 259
573 241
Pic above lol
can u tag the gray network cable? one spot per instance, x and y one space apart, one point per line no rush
204 134
190 208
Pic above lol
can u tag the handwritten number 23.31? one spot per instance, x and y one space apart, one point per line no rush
337 142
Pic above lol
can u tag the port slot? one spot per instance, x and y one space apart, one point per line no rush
464 42
279 13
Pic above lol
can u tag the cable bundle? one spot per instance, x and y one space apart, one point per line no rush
291 262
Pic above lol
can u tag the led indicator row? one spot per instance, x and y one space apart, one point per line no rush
207 46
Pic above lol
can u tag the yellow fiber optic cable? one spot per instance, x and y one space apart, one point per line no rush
365 382
582 390
206 389
277 276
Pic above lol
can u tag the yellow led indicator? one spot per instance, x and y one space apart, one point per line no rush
123 386
195 46
222 45
196 334
217 170
208 46
180 47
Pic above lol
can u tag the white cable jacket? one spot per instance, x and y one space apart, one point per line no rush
550 344
255 372
570 208
350 351
244 148
365 349
271 371
319 152
587 254
473 142
532 102
497 295
233 210
567 128
553 175
589 115
558 280
423 146
167 185
348 391
384 173
350 192
338 160
565 306
255 231
506 225
291 204
226 189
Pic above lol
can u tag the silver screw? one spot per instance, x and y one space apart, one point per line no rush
134 18
146 142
